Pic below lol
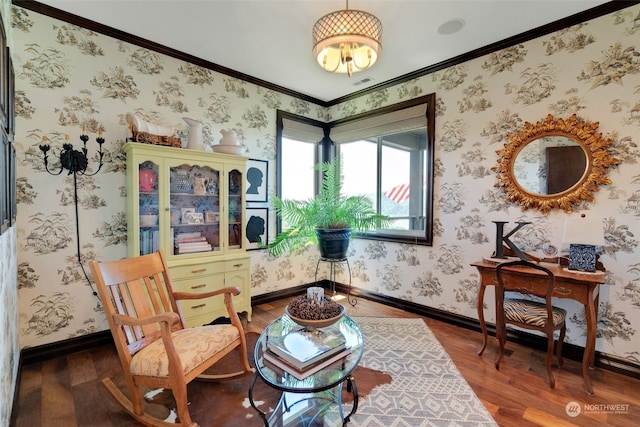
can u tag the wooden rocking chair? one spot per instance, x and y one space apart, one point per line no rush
154 347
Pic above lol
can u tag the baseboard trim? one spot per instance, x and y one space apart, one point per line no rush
282 293
62 348
570 351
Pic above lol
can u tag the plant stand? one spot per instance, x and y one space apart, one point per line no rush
332 276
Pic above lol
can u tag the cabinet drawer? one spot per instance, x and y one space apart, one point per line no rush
196 270
198 284
237 264
206 309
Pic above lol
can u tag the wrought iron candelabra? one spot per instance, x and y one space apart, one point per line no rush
76 162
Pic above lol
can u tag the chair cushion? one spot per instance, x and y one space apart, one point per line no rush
531 312
194 346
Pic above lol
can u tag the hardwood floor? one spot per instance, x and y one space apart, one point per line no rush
66 391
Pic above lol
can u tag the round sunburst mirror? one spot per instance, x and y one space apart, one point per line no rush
554 164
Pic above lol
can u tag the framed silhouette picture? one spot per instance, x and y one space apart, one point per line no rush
256 228
256 180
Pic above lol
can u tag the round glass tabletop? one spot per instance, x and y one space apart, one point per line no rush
324 379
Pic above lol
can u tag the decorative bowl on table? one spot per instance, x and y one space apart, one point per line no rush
313 315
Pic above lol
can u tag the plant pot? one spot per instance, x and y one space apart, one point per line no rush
334 243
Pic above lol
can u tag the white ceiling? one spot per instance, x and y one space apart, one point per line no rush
271 39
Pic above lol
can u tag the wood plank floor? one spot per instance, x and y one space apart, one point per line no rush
66 391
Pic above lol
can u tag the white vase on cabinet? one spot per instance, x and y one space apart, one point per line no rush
195 141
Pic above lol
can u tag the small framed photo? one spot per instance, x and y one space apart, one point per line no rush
210 216
194 218
256 228
256 180
185 214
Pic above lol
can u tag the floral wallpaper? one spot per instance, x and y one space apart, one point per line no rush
68 77
9 345
9 349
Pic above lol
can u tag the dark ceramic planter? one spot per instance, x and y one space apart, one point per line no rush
334 243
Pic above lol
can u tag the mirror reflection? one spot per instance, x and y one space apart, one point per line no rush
554 164
550 165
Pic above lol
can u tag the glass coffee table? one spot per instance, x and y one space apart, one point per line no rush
305 401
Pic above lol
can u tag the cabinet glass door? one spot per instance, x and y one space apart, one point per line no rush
235 209
148 207
194 215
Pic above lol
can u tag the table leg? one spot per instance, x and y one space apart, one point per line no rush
351 386
483 324
353 301
596 302
332 279
590 346
262 414
317 267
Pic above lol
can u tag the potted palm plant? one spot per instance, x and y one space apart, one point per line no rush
327 220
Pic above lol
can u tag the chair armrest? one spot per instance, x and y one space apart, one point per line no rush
169 318
192 295
164 320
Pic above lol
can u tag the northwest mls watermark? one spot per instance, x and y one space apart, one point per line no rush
573 409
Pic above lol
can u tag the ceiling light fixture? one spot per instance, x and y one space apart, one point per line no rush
347 41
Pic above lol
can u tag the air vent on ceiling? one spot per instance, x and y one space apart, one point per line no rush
363 80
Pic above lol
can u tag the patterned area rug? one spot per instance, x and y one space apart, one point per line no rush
405 378
426 390
225 404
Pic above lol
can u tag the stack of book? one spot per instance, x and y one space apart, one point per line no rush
149 241
302 352
191 242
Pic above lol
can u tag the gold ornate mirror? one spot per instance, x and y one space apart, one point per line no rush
554 164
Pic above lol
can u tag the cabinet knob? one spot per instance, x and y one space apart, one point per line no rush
200 270
166 209
198 286
198 306
238 265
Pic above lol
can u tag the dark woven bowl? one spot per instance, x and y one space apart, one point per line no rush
317 323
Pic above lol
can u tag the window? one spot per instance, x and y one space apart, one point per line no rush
386 169
386 155
298 151
297 176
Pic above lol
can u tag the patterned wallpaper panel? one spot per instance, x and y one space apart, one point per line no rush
9 350
68 77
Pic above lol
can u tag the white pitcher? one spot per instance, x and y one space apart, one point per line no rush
196 138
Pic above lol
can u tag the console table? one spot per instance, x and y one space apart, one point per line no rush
581 287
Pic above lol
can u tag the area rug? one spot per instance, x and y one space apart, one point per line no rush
405 378
226 403
426 388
